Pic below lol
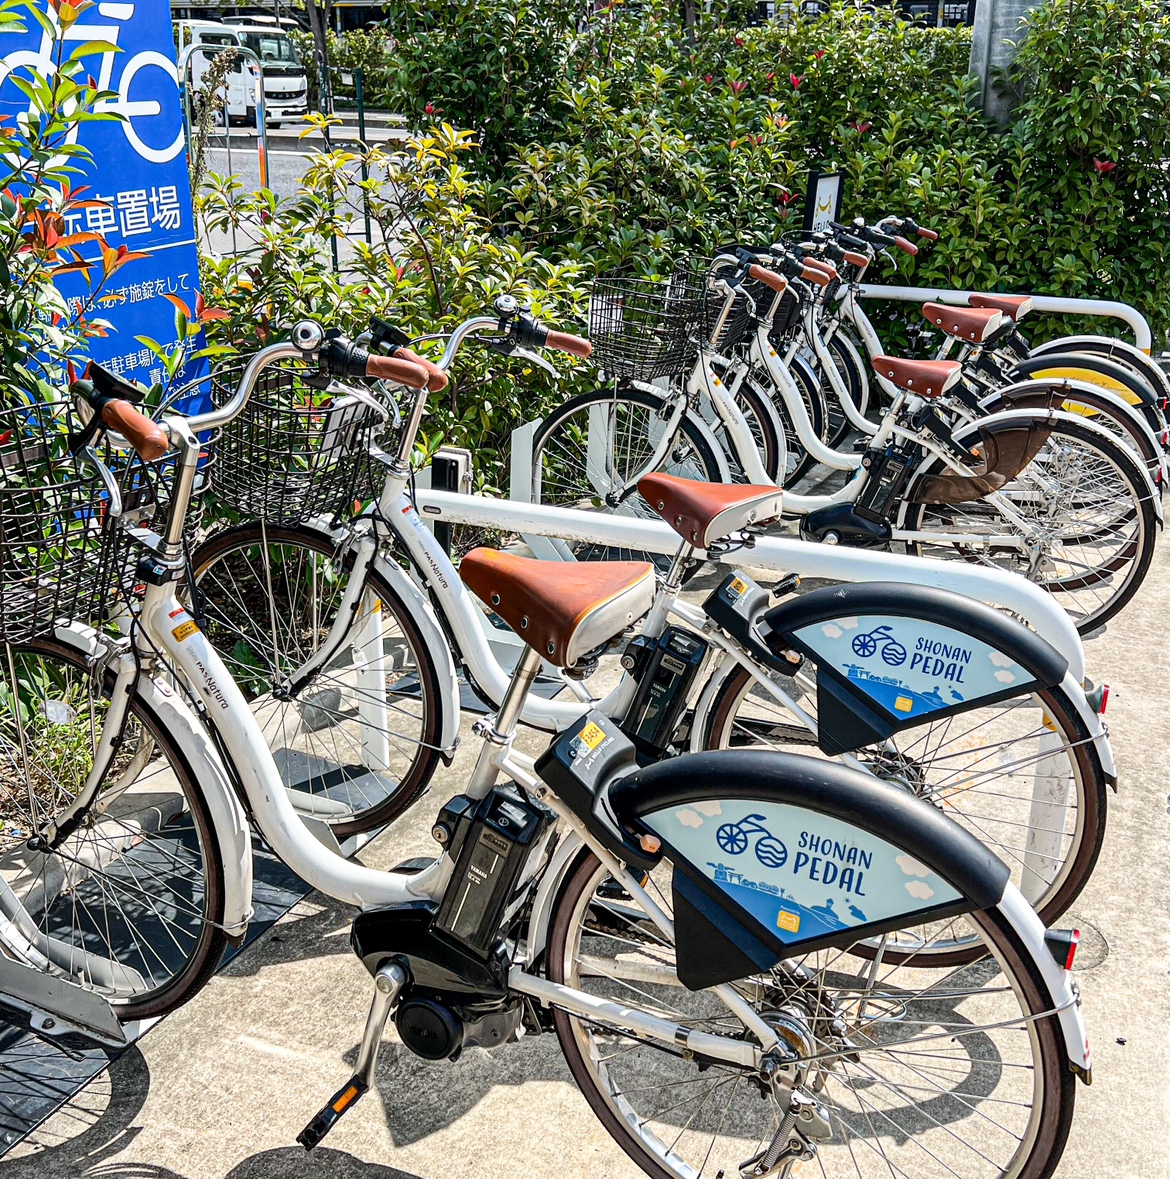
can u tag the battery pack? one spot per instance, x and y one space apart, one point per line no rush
669 670
888 473
504 828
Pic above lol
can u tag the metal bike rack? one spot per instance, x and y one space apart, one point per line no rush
542 526
1055 304
184 72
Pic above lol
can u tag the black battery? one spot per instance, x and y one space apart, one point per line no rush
888 473
502 832
669 671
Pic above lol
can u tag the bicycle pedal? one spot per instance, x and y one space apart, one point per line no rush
341 1102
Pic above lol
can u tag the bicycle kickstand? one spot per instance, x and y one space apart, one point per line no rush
388 984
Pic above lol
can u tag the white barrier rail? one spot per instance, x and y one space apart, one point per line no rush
1007 591
1143 337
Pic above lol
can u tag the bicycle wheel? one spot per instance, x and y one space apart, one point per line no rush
588 451
1090 516
982 768
130 903
359 741
923 1072
1103 409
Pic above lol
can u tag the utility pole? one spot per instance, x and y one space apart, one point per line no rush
997 22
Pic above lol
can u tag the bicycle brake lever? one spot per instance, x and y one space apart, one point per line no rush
536 359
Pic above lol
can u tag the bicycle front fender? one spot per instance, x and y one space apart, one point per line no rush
438 649
229 824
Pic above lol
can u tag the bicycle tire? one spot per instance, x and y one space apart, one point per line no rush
954 741
1136 554
615 1082
343 750
147 872
563 435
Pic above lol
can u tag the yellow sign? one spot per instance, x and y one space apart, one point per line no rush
592 736
788 921
904 704
739 587
185 630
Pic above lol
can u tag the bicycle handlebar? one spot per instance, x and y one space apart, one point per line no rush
769 278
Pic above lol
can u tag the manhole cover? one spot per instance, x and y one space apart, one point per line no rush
1093 948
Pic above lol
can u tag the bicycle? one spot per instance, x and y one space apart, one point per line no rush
315 711
1030 489
596 900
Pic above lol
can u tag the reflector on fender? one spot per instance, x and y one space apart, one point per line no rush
1062 945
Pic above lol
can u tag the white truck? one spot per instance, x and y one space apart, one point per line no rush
286 87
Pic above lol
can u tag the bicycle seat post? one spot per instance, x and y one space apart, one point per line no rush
497 732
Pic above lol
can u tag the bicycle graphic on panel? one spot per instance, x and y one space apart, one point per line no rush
881 638
147 122
734 838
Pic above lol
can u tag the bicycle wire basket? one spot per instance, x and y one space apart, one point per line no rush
62 556
643 328
296 452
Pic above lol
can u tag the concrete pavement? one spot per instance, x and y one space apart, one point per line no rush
221 1088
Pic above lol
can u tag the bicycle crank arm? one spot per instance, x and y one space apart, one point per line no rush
388 984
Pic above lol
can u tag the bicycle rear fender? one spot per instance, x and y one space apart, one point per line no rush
1084 366
228 821
892 656
827 857
1121 351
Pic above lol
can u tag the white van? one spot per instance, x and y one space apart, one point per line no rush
286 88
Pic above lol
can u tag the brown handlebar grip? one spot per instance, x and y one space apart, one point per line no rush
907 247
819 275
437 380
768 277
573 345
404 372
931 235
856 259
148 438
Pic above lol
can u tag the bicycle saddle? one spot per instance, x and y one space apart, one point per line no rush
927 378
972 325
704 512
1015 307
561 611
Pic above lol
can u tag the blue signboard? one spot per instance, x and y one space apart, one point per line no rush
139 170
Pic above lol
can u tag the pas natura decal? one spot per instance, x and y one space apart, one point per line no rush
910 667
801 875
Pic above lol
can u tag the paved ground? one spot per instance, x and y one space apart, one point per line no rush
221 1088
